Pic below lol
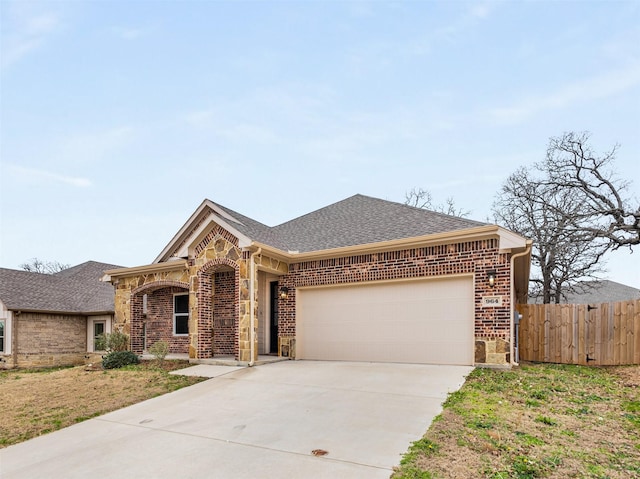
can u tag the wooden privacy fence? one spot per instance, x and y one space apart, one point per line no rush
595 334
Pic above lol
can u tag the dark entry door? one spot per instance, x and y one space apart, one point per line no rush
273 318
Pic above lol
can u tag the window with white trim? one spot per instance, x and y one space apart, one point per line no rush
2 335
99 330
181 314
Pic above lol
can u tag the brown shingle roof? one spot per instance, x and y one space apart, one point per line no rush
74 290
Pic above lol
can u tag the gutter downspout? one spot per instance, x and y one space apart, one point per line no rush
252 304
513 305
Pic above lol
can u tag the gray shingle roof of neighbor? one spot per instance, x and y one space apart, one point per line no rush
602 291
74 290
357 220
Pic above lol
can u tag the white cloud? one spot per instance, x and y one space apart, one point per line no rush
461 25
87 147
37 174
25 33
199 119
595 88
41 24
480 10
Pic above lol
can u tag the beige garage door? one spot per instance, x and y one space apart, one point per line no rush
429 322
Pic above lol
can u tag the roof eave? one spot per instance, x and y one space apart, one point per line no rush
469 234
221 219
522 271
174 265
52 311
181 231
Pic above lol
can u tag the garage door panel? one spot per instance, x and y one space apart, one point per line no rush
416 321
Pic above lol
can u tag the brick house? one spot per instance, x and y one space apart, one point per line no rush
363 279
53 319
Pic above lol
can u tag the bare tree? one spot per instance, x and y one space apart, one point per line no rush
36 265
544 213
418 198
421 198
573 166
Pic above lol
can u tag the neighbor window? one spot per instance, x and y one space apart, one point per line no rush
1 336
181 314
98 335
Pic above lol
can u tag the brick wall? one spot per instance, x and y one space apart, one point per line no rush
224 313
159 320
46 340
473 257
218 309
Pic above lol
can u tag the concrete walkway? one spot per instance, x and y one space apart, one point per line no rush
262 421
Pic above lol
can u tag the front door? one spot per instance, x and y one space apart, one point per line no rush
273 318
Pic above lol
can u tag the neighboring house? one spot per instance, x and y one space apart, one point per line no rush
363 279
598 291
53 319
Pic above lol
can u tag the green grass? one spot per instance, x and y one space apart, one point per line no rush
534 421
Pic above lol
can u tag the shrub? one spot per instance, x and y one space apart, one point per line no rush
118 359
159 350
115 341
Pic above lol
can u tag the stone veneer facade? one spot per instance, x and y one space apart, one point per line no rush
218 283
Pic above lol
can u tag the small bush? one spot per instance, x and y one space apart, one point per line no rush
111 342
118 359
159 349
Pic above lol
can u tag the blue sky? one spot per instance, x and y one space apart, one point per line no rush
119 118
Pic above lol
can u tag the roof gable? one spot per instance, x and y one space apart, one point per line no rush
206 216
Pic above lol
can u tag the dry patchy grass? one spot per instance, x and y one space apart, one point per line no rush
39 401
535 421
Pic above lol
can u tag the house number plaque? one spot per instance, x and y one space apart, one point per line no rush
489 301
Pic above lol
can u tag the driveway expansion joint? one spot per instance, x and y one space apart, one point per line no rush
243 444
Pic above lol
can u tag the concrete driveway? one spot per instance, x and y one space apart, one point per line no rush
263 421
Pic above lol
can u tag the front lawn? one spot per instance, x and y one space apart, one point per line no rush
537 420
35 402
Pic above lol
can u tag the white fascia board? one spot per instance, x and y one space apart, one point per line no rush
218 216
510 240
222 212
243 241
181 232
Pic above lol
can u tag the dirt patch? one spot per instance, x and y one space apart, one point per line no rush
37 402
629 375
535 421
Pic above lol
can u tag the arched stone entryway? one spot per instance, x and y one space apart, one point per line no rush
152 319
218 309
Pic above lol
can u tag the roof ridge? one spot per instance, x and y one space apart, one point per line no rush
322 208
356 220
